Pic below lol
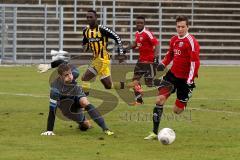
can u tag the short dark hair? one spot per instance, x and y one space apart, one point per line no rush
182 18
63 68
141 17
93 11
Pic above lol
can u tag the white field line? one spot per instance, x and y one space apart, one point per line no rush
145 104
24 95
45 96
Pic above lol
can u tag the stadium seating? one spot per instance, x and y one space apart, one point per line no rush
216 24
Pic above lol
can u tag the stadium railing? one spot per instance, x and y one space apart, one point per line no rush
215 23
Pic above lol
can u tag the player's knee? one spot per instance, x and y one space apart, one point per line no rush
84 102
177 110
179 107
133 84
161 99
107 83
85 125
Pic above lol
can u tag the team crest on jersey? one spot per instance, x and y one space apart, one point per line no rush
141 38
180 44
94 39
139 44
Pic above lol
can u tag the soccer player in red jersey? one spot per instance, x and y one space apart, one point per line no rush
183 52
148 47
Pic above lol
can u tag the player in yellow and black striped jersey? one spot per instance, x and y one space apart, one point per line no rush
95 37
97 40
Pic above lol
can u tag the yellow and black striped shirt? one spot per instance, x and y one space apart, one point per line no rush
97 39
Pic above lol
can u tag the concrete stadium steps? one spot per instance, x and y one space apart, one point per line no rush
122 23
207 29
209 22
216 23
205 16
30 31
19 1
198 10
218 18
201 3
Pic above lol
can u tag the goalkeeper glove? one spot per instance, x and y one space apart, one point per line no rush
48 133
57 56
43 68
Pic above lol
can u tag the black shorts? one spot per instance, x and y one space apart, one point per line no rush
144 69
179 86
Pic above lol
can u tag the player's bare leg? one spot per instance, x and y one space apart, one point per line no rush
85 125
137 90
89 74
177 110
107 82
165 90
179 106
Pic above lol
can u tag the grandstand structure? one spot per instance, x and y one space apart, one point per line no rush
31 28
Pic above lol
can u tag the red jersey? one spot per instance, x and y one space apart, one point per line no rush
184 52
145 42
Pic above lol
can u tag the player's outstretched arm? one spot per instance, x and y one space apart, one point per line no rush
50 123
58 57
54 95
42 68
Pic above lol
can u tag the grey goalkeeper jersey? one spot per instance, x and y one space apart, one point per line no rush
61 90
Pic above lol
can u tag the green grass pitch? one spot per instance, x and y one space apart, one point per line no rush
208 130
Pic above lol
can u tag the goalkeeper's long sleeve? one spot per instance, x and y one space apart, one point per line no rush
54 96
51 120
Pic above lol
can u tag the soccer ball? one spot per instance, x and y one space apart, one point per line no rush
166 136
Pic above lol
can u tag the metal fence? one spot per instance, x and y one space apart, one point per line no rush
52 28
9 24
11 15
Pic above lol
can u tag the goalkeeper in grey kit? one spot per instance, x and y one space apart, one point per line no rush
67 96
